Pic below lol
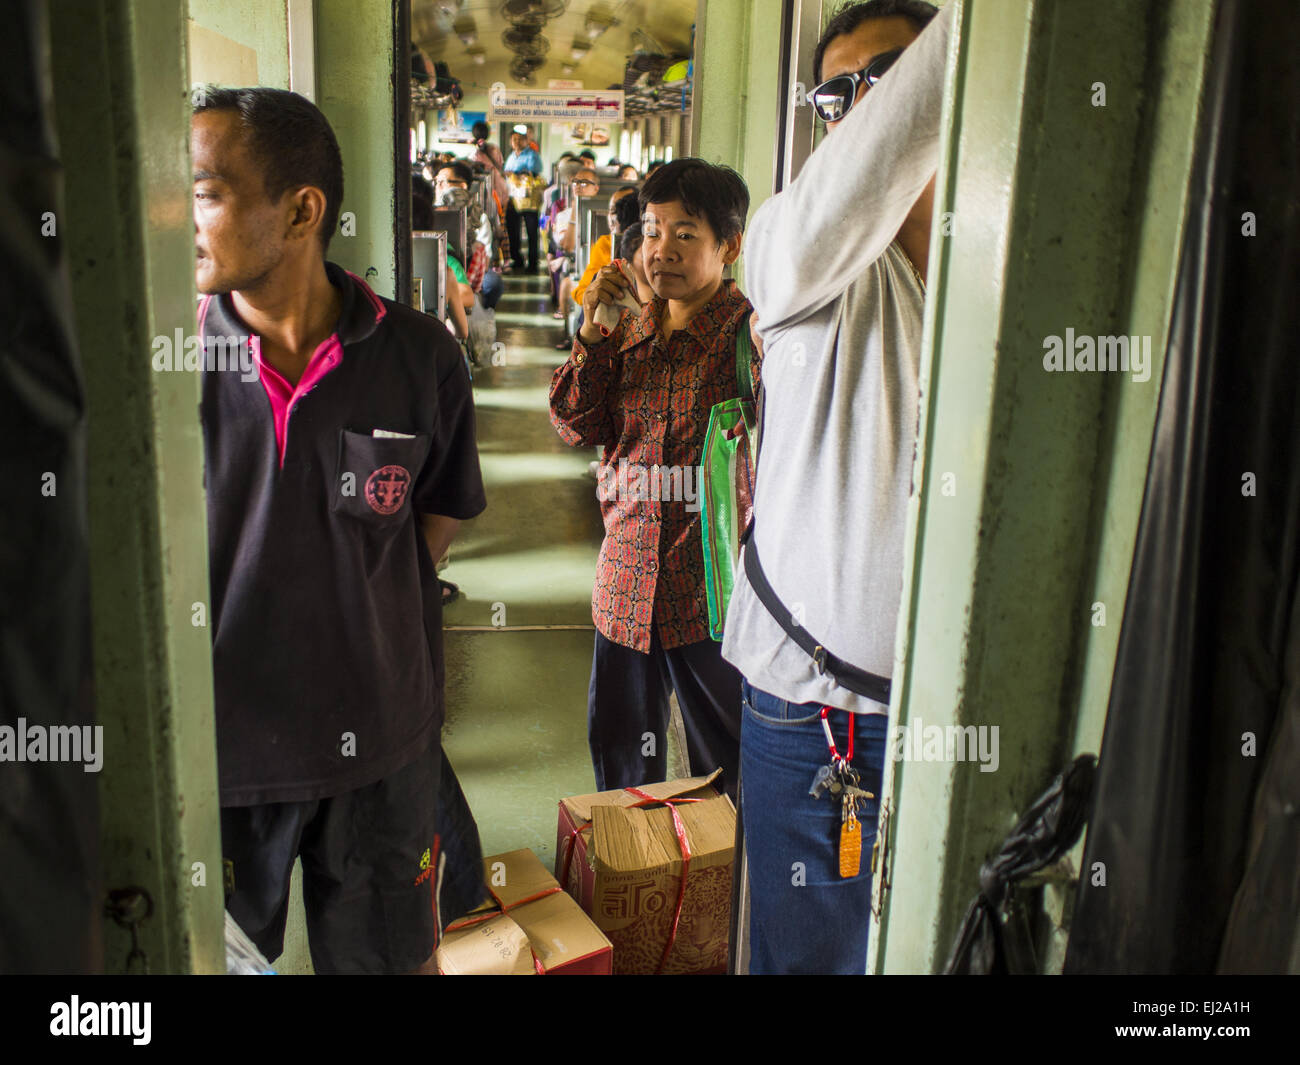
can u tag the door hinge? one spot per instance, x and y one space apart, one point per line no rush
130 907
880 862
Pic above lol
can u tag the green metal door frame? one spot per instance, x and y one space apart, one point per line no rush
120 77
1060 205
737 51
355 74
130 241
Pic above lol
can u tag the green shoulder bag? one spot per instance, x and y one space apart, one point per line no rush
728 484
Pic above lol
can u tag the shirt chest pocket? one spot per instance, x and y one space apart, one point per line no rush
376 476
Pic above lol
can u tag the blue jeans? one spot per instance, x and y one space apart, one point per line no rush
493 287
803 918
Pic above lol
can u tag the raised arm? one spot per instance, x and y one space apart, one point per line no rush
580 389
456 306
807 244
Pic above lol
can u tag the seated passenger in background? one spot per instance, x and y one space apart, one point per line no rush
452 189
645 393
628 173
557 260
422 198
623 211
460 295
564 234
488 156
565 167
469 268
629 251
836 264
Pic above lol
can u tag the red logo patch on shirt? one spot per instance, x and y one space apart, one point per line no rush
386 489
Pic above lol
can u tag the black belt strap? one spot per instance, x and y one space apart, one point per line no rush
845 674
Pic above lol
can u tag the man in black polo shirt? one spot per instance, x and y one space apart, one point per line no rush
335 475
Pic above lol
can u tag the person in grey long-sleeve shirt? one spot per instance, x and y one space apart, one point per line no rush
835 268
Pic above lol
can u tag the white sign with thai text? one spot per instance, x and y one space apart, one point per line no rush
554 105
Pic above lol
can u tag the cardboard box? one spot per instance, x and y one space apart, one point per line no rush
623 864
496 946
533 927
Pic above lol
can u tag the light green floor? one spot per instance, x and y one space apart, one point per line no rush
516 728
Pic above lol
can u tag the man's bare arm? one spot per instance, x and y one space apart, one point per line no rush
439 531
456 306
855 191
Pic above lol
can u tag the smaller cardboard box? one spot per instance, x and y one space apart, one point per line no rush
532 927
622 860
495 946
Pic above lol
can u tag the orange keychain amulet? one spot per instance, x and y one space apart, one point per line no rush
850 845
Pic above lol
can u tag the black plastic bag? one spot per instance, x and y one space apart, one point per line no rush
1194 811
1046 832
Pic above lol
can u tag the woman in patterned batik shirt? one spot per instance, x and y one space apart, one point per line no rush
645 392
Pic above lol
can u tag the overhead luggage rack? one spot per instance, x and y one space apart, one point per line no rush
425 96
664 98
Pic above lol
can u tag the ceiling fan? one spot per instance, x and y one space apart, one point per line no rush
531 12
525 42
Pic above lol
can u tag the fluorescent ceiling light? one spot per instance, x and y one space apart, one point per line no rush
596 25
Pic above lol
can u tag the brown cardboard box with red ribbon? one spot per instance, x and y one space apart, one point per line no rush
532 927
652 866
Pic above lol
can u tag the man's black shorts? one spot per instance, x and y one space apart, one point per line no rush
369 866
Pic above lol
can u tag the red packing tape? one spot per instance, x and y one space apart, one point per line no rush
568 851
680 828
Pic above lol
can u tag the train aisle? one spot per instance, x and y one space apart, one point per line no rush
519 637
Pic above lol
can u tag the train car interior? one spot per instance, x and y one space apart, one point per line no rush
436 638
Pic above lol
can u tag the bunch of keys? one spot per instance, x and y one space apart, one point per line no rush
840 778
851 827
827 779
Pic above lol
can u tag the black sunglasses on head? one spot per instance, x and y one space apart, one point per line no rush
833 97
